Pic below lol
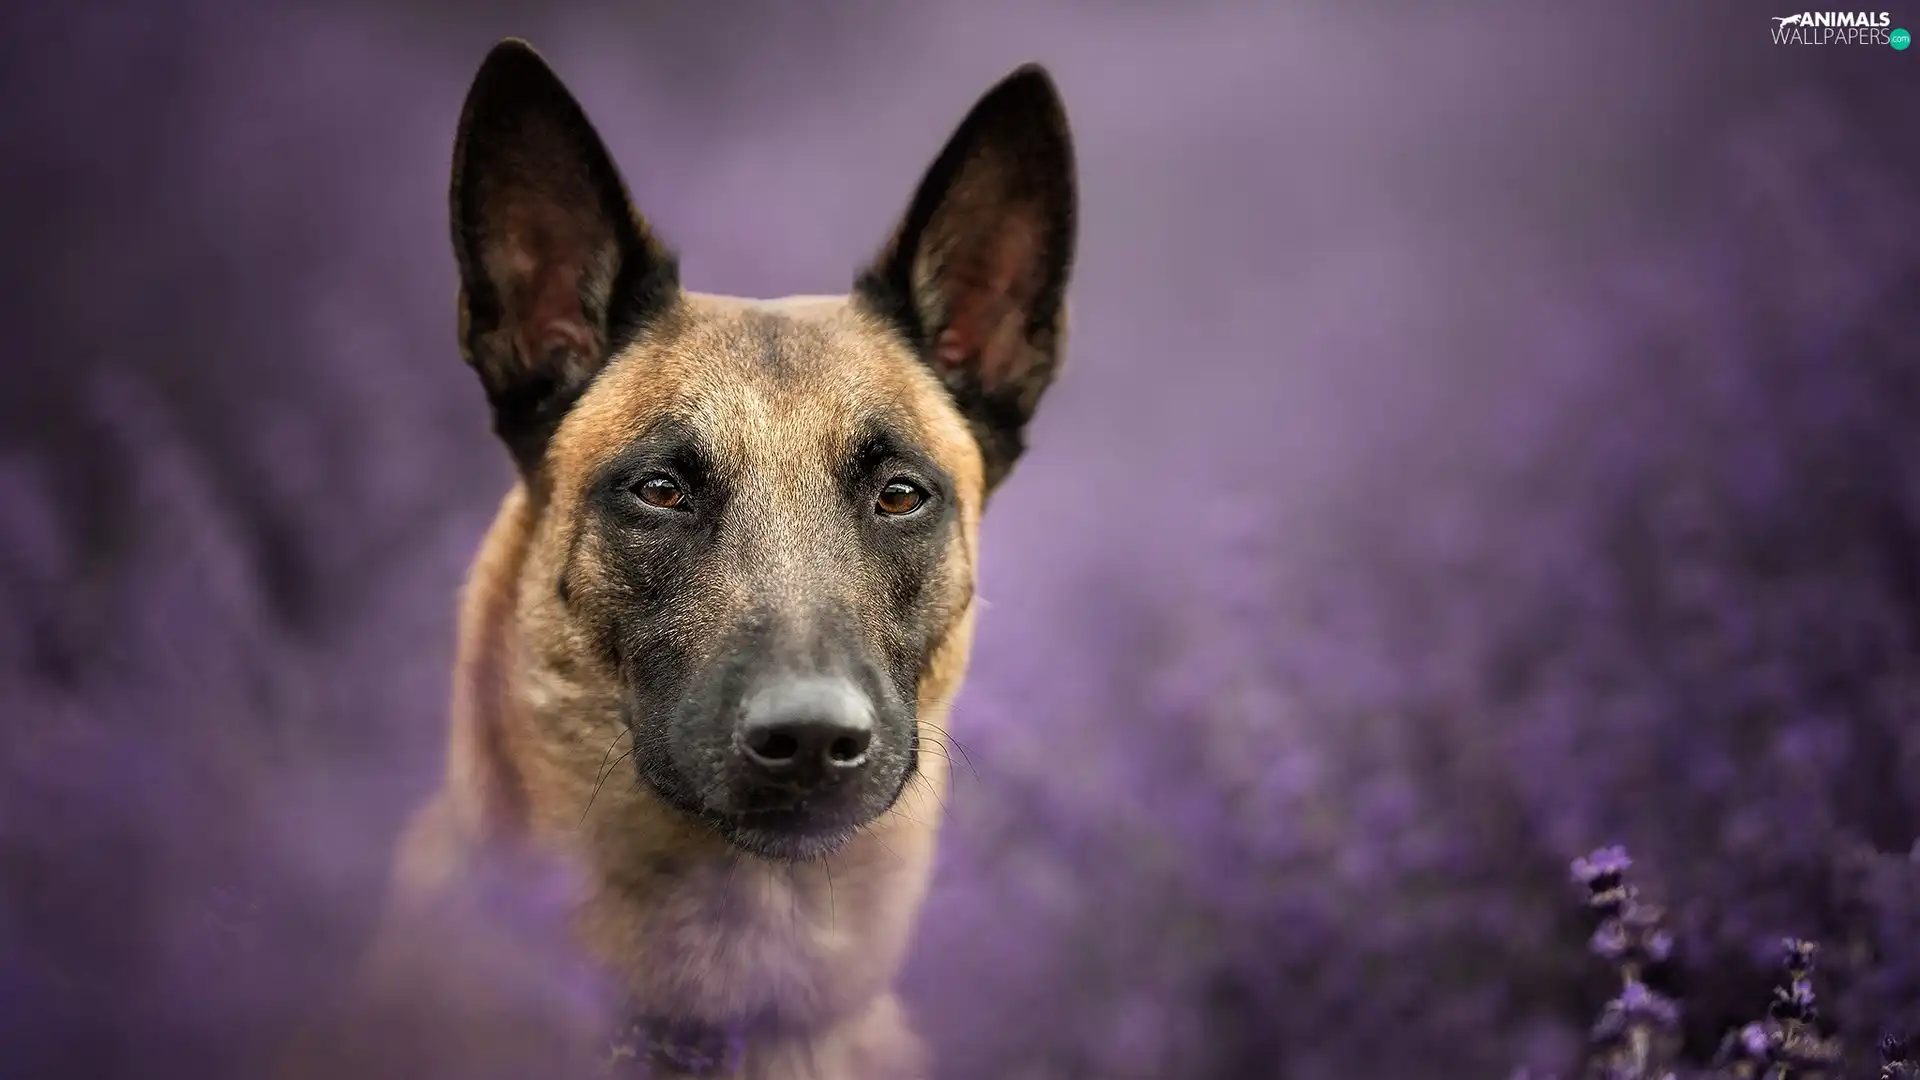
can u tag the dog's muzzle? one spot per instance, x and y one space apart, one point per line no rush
799 738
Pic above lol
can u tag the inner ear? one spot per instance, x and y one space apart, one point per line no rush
984 290
975 275
557 270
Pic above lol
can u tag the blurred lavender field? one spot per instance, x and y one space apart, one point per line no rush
1487 434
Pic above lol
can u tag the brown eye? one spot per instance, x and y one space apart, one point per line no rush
661 492
899 498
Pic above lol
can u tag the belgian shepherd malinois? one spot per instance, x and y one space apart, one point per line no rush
736 573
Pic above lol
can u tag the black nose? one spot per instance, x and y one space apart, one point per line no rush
806 733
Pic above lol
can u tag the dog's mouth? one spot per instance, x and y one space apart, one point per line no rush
796 834
775 825
788 827
784 827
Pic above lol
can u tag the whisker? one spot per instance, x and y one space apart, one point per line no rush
946 811
889 847
624 733
793 893
833 916
940 742
945 737
652 742
606 770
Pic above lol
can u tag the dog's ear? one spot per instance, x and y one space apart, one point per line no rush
975 275
557 271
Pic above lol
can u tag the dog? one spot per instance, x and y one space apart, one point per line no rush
708 645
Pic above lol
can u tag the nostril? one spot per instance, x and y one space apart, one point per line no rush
848 749
774 745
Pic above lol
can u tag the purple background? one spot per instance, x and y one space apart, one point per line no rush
1487 434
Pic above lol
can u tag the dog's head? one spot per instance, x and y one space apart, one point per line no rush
756 520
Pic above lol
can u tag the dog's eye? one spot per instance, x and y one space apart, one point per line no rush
899 498
661 492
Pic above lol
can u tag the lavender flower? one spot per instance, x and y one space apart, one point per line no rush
1637 1035
1899 1058
1792 1043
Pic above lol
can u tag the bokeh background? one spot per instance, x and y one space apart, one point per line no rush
1492 430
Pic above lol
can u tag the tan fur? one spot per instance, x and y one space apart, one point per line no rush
678 917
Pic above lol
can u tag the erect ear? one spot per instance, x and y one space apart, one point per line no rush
557 271
975 276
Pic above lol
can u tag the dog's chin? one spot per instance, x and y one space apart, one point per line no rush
788 835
